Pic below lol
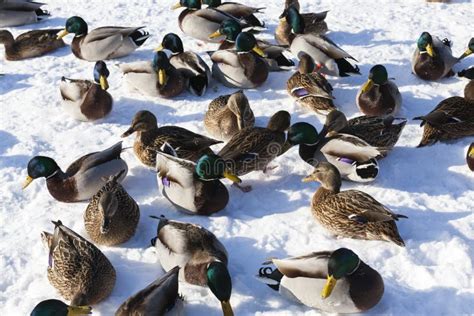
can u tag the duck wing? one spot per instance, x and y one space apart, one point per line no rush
251 142
349 146
313 265
181 138
94 159
327 46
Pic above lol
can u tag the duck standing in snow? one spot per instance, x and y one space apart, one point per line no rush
346 283
87 100
31 44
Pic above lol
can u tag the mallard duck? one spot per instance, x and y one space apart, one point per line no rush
77 269
377 131
150 138
30 44
228 114
158 78
432 58
240 68
470 157
157 298
237 10
112 215
350 213
193 187
355 159
469 89
199 23
82 179
59 308
379 95
330 58
20 12
87 100
346 283
275 59
253 148
469 50
199 254
309 88
452 118
314 23
193 68
103 43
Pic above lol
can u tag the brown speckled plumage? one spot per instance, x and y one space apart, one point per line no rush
30 44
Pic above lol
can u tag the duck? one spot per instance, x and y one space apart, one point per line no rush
379 96
452 118
346 283
87 100
79 271
469 49
253 148
377 131
354 158
469 89
157 298
108 42
240 68
190 64
275 59
470 157
237 10
31 44
314 23
310 88
82 179
350 213
59 308
21 12
193 187
150 138
158 78
112 215
432 58
329 58
199 22
200 255
228 114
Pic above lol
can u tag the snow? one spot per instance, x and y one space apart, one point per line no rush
432 186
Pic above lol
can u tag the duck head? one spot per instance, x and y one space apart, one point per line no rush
425 44
220 284
280 121
239 105
189 4
212 167
161 65
171 42
246 42
294 19
40 166
341 263
230 28
326 174
101 73
107 206
59 308
75 25
469 50
377 76
302 133
142 121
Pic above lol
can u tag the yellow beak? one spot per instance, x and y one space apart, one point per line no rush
161 77
232 177
366 87
215 34
259 51
471 152
176 6
429 50
159 48
103 82
307 179
328 287
62 34
27 182
466 53
78 310
227 309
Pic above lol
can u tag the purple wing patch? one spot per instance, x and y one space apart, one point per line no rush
346 160
165 181
302 92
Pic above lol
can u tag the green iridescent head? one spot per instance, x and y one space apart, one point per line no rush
302 133
425 44
40 166
212 167
294 18
76 25
231 29
220 284
173 43
57 308
189 4
341 263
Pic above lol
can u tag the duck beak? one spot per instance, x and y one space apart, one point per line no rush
128 132
466 53
79 310
328 287
215 34
259 51
176 6
161 77
227 309
232 177
471 152
159 48
429 50
62 34
27 182
308 179
366 87
103 82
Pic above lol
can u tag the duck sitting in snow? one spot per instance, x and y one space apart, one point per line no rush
20 12
200 255
82 179
87 100
346 284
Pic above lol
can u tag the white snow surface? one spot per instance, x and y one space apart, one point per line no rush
433 275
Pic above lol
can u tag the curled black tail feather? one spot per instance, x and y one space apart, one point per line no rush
282 61
198 84
273 274
40 12
139 37
346 67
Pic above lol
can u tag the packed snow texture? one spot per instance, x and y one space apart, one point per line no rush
433 275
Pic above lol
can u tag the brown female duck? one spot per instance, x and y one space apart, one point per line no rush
30 44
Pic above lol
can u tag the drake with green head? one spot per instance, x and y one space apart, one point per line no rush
82 179
432 58
346 283
102 43
237 10
59 308
189 64
242 68
379 95
200 255
87 100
